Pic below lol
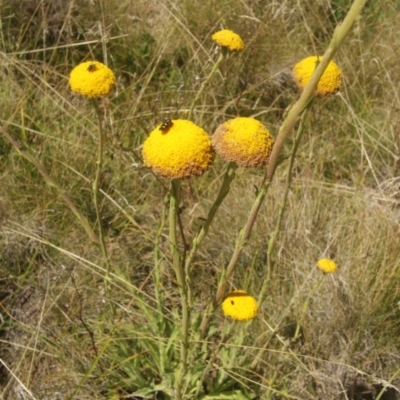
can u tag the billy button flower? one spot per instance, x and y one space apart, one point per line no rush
326 265
92 79
229 39
178 149
330 81
245 141
239 305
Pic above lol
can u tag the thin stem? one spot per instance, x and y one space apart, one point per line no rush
205 82
213 356
83 221
96 187
240 243
272 241
305 308
158 262
180 277
338 37
223 191
383 390
282 317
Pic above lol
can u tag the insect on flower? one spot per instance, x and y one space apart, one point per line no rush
166 125
91 67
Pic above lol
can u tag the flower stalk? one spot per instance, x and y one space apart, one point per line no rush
307 95
274 236
205 82
338 37
96 187
180 277
223 191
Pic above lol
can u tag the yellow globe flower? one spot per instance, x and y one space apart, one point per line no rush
178 149
327 265
245 141
330 81
239 305
229 39
92 79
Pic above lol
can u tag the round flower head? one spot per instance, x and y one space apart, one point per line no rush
245 141
239 305
327 265
330 81
92 79
178 149
229 39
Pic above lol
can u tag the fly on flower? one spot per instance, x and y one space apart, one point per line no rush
91 67
166 125
92 79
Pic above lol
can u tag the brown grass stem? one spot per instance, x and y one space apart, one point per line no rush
180 277
32 159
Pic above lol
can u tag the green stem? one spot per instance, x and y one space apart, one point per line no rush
338 37
180 277
205 82
305 308
271 243
96 187
383 390
240 243
158 293
83 221
213 356
282 317
223 191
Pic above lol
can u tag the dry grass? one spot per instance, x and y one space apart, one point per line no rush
59 339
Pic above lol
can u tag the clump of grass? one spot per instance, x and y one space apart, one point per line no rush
315 336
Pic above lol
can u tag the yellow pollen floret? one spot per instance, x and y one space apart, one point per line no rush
229 39
182 150
240 305
245 141
327 265
330 81
92 79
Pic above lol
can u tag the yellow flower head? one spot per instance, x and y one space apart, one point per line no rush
229 39
327 265
178 149
245 141
92 79
330 81
239 305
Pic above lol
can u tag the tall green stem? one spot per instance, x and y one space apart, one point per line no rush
289 176
205 82
180 277
96 187
338 37
158 293
223 191
244 235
